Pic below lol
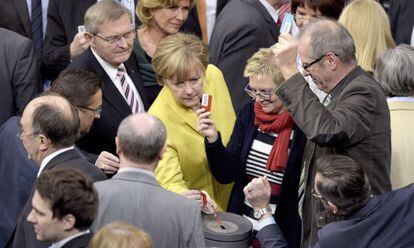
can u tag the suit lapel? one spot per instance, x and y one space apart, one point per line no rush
23 12
84 6
62 158
110 92
270 22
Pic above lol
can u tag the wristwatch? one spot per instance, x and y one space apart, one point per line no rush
259 212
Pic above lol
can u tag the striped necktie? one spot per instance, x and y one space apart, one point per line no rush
37 31
128 92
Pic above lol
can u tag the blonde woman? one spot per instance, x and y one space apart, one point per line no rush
265 142
159 19
181 66
120 234
368 24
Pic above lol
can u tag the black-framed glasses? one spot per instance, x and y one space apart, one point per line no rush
302 17
306 66
97 111
264 95
117 39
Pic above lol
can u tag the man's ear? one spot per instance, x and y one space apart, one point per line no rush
88 37
118 149
44 142
333 208
68 222
164 148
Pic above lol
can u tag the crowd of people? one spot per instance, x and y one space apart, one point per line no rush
106 140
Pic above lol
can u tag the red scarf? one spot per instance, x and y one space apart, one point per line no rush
275 123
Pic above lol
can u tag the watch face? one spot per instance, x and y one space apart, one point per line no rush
257 214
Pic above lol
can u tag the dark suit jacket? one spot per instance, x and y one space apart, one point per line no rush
14 15
63 19
24 235
102 135
241 29
192 26
402 20
19 75
386 221
79 242
17 175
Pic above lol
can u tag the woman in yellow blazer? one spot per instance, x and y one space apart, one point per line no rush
181 65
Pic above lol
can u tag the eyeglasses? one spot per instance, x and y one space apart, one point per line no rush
97 111
306 66
316 195
20 134
117 39
264 95
302 17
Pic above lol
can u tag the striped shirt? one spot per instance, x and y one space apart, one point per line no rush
256 167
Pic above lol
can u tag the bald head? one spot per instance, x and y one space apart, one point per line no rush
141 138
324 36
54 117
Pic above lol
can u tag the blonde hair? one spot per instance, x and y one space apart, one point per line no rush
121 235
262 64
368 24
105 10
179 54
145 7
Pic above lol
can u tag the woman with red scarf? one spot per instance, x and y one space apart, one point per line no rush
264 142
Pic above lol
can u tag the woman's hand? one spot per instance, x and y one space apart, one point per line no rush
206 126
208 206
108 162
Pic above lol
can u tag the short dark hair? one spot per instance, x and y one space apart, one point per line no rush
343 182
78 86
328 8
143 146
69 191
61 128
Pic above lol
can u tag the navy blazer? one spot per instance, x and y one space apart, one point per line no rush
229 165
17 176
101 136
24 235
386 221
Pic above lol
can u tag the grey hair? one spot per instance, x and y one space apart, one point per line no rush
105 10
329 36
395 71
141 142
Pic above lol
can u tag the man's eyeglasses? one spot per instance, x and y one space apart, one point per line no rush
20 134
263 95
316 195
117 39
97 111
306 66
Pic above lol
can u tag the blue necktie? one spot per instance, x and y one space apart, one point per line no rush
37 31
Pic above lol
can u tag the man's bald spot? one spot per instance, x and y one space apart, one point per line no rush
54 100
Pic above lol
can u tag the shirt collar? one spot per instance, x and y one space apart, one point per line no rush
49 157
272 11
345 81
108 68
134 169
64 241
